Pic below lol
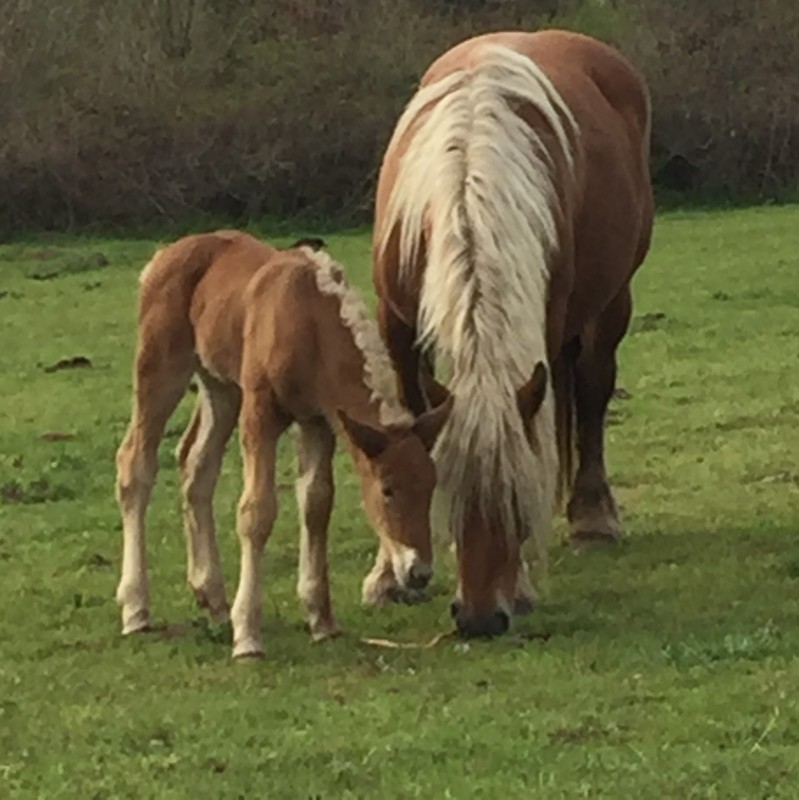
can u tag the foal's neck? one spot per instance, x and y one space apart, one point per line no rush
356 374
350 388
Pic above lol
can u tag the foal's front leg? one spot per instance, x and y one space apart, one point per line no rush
316 444
261 426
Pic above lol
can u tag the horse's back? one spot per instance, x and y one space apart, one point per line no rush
568 59
611 206
609 209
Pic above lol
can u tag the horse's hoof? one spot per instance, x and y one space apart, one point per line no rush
589 537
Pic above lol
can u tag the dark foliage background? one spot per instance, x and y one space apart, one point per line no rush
162 112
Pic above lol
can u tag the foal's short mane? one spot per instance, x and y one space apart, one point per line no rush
485 181
378 372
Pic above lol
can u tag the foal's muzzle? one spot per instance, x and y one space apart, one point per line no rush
411 571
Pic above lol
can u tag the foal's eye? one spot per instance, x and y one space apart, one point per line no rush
388 492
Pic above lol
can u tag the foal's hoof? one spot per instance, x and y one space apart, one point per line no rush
383 592
589 537
324 632
247 649
136 623
217 610
407 597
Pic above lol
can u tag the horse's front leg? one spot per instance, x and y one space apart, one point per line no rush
400 339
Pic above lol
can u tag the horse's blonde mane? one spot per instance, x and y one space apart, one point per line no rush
378 372
482 179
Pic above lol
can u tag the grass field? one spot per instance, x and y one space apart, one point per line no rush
665 668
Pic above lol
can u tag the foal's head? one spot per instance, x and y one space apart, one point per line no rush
397 481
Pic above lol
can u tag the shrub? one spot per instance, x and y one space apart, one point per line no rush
115 113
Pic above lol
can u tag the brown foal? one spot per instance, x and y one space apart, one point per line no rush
274 337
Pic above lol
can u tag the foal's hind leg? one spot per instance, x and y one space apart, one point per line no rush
159 384
592 510
200 456
315 447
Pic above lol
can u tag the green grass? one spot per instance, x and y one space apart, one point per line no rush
665 668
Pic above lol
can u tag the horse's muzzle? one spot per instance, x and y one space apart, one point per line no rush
470 626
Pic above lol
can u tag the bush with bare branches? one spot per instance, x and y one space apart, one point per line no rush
113 112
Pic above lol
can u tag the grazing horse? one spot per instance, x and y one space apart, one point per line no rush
513 206
273 337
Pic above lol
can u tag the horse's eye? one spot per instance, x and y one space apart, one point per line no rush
388 492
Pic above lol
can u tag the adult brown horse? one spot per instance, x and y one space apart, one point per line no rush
513 207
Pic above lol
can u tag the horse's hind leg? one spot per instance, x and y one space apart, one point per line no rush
160 382
592 510
315 447
200 456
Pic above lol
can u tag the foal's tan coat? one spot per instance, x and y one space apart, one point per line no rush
274 337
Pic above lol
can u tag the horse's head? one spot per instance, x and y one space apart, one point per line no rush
397 481
488 555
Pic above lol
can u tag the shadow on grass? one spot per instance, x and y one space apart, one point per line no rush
705 596
687 599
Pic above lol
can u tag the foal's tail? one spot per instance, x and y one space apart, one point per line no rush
563 378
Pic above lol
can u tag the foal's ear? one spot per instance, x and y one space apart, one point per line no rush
428 425
530 396
314 242
370 441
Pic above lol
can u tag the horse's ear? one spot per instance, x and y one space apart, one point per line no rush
530 396
428 425
370 441
434 392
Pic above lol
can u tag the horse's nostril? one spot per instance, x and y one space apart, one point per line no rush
501 622
495 624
